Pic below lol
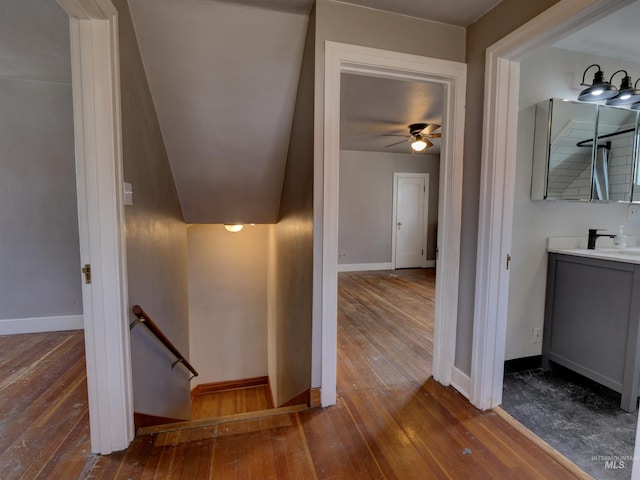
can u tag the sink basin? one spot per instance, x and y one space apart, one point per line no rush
630 250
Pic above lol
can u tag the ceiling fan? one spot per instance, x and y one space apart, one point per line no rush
419 135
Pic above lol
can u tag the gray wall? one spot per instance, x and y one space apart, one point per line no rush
496 24
291 249
365 218
156 239
355 25
39 249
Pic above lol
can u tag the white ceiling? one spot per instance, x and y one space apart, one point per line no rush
223 75
615 36
374 107
454 12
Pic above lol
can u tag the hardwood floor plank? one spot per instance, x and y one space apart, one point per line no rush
349 454
66 461
41 402
218 404
392 421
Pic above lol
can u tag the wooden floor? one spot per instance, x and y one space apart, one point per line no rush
44 415
391 420
230 402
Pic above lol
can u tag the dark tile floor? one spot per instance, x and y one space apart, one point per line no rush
577 417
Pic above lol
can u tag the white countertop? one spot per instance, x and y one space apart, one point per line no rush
627 255
604 248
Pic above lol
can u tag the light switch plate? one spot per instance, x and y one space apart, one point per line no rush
128 193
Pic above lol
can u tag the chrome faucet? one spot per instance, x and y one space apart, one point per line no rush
593 236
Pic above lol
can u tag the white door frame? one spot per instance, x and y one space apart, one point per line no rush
502 81
394 230
344 58
98 147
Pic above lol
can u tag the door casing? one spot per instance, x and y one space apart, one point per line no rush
344 58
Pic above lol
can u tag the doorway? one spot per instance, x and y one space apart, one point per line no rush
499 154
410 219
342 58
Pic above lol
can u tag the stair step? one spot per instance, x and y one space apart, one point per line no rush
172 427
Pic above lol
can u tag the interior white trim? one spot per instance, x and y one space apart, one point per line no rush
341 58
14 326
497 184
364 267
394 230
460 381
98 146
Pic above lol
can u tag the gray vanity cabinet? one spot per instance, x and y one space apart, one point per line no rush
592 315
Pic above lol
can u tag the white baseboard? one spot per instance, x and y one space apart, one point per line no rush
368 267
41 324
364 267
461 382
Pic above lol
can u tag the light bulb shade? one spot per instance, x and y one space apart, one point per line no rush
418 144
635 106
233 228
599 88
626 95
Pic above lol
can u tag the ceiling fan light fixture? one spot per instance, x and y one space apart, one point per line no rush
418 144
599 88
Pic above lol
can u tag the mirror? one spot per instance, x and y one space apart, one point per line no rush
567 165
614 159
563 150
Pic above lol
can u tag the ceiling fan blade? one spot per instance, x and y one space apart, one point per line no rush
397 143
432 135
432 127
394 135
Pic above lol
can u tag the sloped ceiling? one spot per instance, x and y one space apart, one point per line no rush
223 75
223 79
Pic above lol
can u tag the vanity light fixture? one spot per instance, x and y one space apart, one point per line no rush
627 94
599 88
233 228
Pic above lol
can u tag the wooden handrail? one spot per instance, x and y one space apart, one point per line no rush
150 324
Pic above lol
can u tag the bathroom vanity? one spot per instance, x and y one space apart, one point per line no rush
592 317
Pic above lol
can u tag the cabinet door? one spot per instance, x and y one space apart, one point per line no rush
591 305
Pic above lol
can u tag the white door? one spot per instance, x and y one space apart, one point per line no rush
410 219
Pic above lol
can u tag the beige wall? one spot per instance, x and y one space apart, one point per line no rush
156 240
496 24
228 302
291 253
365 209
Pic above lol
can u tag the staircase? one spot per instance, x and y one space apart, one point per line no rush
224 425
